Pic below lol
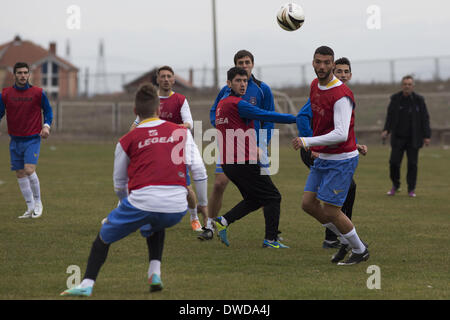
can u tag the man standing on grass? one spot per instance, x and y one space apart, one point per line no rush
258 94
239 159
150 181
24 105
332 104
174 107
343 71
408 123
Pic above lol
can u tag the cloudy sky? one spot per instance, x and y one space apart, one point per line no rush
141 34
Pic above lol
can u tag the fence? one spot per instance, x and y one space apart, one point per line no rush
434 68
103 119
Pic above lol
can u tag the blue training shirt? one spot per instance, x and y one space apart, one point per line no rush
304 120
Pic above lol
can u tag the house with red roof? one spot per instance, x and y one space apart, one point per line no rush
57 76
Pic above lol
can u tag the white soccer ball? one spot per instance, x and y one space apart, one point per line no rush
290 17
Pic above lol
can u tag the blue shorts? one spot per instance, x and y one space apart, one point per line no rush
126 219
331 179
24 151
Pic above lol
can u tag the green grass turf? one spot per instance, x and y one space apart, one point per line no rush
408 238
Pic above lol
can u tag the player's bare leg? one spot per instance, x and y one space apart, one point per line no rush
215 201
334 219
204 213
214 205
192 209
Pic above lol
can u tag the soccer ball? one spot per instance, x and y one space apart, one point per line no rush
290 17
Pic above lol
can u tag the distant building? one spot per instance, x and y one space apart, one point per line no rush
57 76
181 85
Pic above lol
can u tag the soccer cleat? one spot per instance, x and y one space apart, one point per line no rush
38 208
340 254
196 226
78 292
274 244
330 244
355 258
155 283
207 234
27 214
221 231
412 194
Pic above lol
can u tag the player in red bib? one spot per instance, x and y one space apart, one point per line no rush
24 106
174 107
332 105
239 159
150 181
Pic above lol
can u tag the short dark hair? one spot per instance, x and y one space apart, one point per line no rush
242 54
146 101
233 72
165 68
408 76
345 61
19 65
324 50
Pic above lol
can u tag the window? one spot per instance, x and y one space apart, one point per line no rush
54 69
50 78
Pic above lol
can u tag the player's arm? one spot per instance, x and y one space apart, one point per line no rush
248 111
269 105
389 116
197 169
120 175
212 111
48 116
186 115
303 120
135 123
341 117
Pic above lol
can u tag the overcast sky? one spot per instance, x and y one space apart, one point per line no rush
141 34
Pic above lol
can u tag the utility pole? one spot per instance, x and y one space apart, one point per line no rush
216 66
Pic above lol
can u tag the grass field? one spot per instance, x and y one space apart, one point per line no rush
408 238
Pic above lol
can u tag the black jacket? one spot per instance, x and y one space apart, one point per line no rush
420 120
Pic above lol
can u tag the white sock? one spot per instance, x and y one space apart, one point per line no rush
35 186
210 224
193 212
24 185
354 241
87 283
335 230
155 267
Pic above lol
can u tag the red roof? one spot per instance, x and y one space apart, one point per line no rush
26 51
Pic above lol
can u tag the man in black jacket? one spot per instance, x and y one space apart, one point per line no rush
408 123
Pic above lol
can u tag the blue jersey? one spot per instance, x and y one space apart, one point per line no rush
304 120
258 94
